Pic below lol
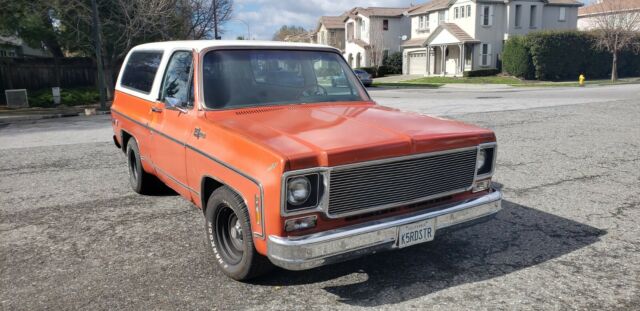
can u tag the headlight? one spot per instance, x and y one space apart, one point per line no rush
298 190
485 160
482 158
302 192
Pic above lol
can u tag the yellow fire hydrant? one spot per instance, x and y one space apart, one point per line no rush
581 80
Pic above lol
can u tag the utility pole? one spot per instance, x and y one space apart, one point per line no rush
215 20
98 46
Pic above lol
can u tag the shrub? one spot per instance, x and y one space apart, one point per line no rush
516 59
393 63
563 55
480 73
69 97
373 71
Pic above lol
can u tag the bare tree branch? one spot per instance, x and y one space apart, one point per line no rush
617 27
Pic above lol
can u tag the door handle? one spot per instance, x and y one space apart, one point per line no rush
156 109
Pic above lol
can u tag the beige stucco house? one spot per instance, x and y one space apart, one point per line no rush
449 37
590 16
372 32
330 31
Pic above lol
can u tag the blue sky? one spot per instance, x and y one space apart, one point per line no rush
266 16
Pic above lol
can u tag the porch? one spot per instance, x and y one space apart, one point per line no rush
457 59
450 51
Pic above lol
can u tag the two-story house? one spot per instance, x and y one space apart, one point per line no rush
372 33
593 16
330 31
449 37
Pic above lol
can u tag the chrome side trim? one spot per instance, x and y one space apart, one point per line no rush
161 171
305 252
241 173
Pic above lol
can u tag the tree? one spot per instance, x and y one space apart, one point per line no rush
206 17
376 43
65 26
289 33
616 29
31 21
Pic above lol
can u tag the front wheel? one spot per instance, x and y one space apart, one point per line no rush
230 238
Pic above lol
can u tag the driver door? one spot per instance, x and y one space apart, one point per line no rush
172 122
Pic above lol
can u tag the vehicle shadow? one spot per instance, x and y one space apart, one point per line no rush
518 237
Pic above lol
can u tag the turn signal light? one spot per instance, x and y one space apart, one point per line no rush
298 224
481 185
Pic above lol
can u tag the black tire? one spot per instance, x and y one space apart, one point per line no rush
230 238
141 181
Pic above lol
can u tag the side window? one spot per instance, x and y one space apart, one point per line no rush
141 70
177 88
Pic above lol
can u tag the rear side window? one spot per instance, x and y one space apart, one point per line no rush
141 70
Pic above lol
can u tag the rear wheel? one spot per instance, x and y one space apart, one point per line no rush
141 181
230 238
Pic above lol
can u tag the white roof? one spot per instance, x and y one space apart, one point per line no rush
200 45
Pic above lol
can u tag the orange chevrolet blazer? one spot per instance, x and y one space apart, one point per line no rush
291 161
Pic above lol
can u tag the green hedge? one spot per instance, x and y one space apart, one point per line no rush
373 71
480 73
392 64
69 97
563 55
516 59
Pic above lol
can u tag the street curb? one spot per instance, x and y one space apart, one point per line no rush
26 118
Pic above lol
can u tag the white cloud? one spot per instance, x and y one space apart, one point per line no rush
266 16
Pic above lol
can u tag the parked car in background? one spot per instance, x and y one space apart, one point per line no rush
364 76
290 160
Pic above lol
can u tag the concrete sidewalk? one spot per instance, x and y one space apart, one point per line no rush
8 115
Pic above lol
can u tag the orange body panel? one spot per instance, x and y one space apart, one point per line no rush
249 149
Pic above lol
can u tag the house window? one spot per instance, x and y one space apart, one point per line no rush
385 24
485 55
462 11
421 22
533 16
362 28
441 17
456 13
563 14
518 17
469 10
332 36
486 15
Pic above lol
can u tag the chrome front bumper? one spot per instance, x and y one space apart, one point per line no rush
306 252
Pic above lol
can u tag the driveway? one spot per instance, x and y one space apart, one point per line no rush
74 236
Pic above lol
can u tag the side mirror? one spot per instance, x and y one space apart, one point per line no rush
173 103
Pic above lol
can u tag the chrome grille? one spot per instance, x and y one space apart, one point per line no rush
386 184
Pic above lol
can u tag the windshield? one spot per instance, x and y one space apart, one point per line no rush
242 78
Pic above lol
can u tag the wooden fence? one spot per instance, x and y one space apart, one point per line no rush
40 73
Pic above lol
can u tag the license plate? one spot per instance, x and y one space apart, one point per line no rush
415 233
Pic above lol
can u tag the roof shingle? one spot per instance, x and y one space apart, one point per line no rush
609 6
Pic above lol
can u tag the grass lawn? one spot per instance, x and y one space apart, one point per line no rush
434 82
473 80
587 82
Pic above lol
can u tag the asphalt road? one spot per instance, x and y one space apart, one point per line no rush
74 236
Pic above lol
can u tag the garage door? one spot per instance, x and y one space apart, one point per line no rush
418 63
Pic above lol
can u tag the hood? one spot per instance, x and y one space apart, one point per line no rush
333 134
